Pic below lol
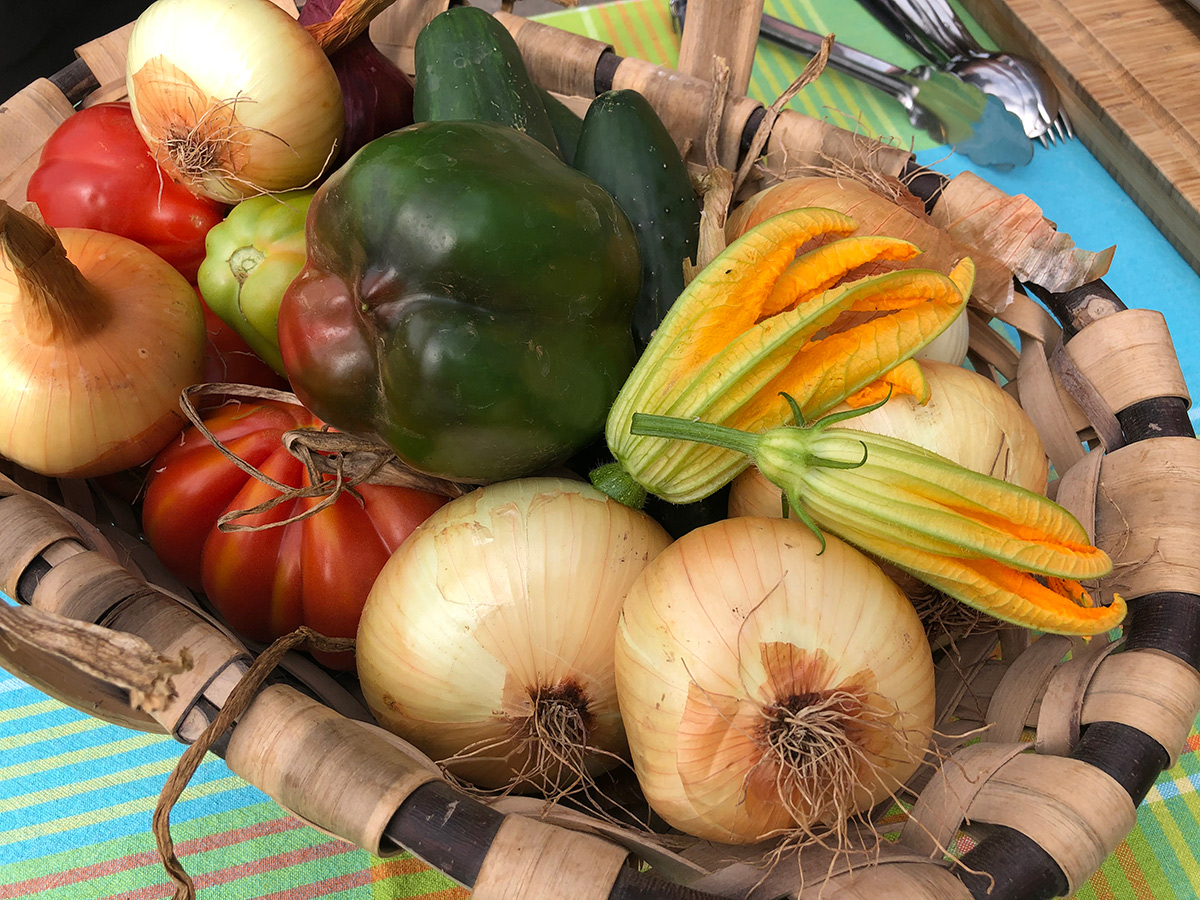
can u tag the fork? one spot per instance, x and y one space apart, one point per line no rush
933 29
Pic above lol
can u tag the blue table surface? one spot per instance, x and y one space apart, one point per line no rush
1074 191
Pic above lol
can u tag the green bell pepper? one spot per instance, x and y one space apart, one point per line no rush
250 259
467 297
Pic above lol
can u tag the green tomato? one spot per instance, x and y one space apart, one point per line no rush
250 259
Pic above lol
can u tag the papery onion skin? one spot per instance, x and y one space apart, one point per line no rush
108 400
697 629
248 81
511 589
951 345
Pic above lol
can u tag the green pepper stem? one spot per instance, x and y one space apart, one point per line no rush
648 425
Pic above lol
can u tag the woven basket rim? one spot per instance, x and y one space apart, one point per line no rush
1151 627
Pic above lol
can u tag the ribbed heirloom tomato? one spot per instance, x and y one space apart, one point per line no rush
316 571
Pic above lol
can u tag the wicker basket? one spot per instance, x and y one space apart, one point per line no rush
1109 716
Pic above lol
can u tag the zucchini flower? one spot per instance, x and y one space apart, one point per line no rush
979 539
760 320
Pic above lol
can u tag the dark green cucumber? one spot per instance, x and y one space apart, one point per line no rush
625 147
468 67
565 122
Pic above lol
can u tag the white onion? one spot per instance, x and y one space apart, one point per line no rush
769 688
496 619
951 345
234 97
968 419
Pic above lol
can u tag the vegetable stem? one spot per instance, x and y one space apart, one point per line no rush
58 301
722 436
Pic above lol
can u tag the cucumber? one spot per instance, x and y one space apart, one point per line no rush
625 147
468 67
565 122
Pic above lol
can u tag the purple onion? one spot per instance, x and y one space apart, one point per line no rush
377 95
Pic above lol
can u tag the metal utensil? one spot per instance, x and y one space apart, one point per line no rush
933 29
939 103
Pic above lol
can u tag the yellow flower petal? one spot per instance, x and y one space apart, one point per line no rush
820 269
824 372
906 378
727 296
1001 591
924 519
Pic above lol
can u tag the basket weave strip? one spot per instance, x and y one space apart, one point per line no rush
87 586
1052 410
105 55
1149 690
1130 358
1060 715
991 348
900 881
559 60
32 525
1148 515
1073 811
1013 700
531 860
172 628
942 805
1076 490
816 871
26 120
957 671
300 753
1088 398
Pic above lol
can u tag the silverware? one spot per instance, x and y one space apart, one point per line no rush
933 29
939 103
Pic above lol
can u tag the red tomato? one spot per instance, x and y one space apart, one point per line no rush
97 172
229 358
265 584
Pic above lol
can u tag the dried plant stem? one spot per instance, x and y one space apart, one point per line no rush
351 460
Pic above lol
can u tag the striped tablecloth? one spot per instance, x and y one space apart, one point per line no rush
76 794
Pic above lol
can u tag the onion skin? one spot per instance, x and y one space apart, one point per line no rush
695 682
249 88
511 589
951 345
969 420
91 379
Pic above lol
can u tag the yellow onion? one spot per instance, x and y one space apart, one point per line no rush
767 687
968 419
98 336
234 97
487 639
